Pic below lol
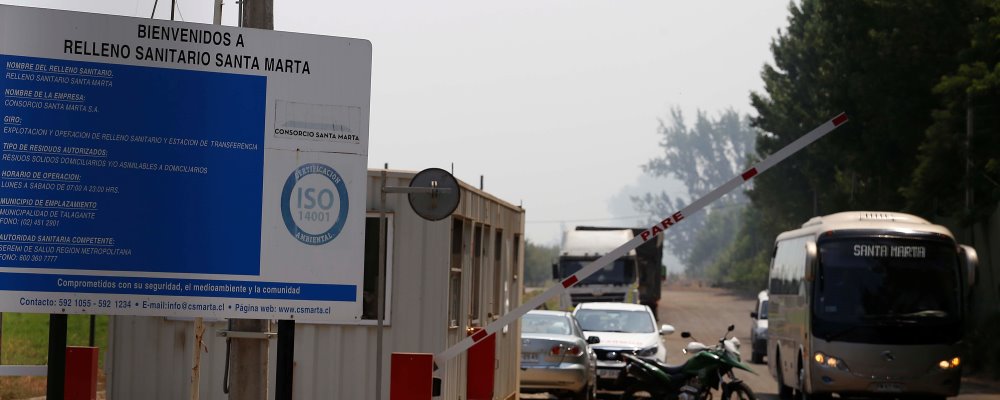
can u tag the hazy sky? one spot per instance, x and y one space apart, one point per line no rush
554 102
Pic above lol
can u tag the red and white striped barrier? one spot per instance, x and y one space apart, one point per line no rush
650 233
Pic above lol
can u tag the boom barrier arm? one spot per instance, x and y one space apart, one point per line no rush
649 233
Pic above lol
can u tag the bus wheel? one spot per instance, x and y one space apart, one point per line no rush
784 391
802 386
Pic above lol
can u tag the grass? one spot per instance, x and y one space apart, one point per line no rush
25 342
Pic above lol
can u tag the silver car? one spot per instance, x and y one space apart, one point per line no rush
555 357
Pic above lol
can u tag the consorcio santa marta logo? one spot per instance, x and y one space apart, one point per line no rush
314 204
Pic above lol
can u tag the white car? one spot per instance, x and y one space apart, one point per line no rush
622 328
758 330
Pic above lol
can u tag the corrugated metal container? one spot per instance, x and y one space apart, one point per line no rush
446 277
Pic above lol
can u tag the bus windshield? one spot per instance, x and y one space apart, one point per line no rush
886 282
620 272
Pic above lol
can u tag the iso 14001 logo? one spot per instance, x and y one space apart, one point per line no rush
314 204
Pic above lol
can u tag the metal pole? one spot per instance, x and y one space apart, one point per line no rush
380 291
93 321
286 360
55 386
173 6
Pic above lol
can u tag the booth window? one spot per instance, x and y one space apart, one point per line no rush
515 256
370 287
498 273
455 275
477 265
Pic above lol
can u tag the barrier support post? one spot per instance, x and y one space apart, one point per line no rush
411 376
81 373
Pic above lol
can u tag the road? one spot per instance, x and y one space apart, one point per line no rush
707 312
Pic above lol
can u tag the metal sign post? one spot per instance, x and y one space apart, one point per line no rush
648 234
55 384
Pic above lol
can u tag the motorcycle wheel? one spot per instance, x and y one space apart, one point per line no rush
635 393
738 391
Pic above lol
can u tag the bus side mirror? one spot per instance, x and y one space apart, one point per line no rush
555 272
969 261
811 257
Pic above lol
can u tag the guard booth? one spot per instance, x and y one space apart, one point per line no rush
444 279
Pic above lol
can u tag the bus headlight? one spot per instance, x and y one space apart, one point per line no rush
949 364
829 361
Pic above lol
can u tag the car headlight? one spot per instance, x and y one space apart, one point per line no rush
826 361
949 364
647 352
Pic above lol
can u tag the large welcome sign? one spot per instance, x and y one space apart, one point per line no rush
164 168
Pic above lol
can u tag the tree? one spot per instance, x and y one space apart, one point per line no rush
703 157
958 175
875 60
538 261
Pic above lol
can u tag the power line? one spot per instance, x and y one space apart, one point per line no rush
552 221
642 217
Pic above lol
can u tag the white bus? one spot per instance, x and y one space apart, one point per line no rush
867 304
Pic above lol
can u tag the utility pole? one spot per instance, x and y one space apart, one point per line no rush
249 355
258 14
199 322
217 16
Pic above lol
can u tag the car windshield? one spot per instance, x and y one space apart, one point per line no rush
887 281
615 321
762 314
542 323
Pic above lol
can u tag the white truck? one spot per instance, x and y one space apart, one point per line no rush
632 278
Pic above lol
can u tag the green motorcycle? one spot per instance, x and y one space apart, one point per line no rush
711 368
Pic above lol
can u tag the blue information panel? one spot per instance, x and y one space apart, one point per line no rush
176 169
165 185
